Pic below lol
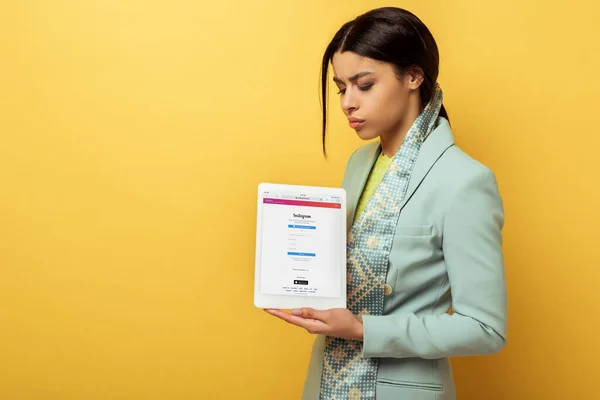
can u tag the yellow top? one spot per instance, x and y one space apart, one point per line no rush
375 176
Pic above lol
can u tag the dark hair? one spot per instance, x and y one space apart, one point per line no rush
387 34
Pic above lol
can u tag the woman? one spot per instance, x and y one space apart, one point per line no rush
425 227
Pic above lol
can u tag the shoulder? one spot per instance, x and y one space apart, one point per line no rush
459 166
467 186
357 160
361 155
458 179
454 167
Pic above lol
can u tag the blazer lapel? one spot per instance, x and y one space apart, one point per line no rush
365 161
438 141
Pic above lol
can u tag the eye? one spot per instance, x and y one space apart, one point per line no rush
342 91
366 87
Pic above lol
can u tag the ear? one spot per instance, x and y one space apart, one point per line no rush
414 78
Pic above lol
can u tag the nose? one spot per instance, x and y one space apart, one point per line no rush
349 102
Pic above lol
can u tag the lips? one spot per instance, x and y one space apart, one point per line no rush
356 123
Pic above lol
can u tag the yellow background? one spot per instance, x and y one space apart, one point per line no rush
133 135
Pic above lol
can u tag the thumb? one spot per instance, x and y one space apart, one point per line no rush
307 313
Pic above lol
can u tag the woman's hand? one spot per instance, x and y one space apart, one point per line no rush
335 322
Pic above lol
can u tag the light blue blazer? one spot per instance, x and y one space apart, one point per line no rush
446 255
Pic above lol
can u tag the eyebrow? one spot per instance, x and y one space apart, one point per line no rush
353 77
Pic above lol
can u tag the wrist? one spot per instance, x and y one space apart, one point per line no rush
359 335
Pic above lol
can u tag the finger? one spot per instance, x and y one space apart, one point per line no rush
292 319
310 313
311 325
276 313
281 314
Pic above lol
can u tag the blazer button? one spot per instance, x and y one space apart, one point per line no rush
387 290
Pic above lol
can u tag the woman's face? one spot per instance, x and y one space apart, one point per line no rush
373 97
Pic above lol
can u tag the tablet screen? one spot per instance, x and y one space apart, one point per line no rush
300 247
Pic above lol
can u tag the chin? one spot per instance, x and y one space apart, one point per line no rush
364 134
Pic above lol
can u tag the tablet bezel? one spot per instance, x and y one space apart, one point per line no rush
284 301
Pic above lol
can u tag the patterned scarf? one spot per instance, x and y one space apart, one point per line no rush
346 375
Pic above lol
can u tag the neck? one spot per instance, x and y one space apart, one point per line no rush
391 142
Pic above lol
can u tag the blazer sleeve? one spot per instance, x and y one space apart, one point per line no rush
472 247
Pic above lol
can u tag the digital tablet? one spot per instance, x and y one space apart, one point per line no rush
300 247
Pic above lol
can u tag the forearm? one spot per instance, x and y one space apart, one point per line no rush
408 335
